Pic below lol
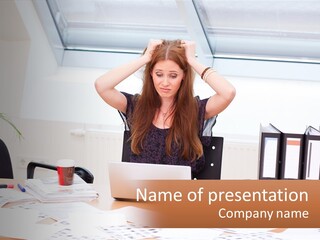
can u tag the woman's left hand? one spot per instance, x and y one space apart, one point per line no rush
190 49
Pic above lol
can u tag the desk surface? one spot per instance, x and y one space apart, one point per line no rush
106 202
139 214
103 202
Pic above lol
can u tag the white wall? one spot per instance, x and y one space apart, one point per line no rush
47 101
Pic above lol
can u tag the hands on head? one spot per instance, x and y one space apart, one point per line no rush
189 46
153 43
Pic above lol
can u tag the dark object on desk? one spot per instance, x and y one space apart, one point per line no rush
5 162
6 186
84 173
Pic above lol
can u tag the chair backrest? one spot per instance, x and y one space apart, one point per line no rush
126 145
213 157
5 162
84 173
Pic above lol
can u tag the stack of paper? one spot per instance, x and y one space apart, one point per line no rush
49 190
8 195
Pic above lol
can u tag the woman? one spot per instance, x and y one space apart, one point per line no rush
166 120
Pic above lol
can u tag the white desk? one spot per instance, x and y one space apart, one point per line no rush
139 216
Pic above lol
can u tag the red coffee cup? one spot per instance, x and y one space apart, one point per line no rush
65 169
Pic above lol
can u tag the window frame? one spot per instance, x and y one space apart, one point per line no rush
255 67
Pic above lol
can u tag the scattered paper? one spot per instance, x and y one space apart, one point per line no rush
189 233
20 223
8 195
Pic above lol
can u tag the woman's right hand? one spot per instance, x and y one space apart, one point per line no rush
153 43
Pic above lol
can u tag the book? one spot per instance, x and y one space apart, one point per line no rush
269 152
311 156
8 195
291 157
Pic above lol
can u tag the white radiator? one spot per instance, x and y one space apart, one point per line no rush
102 147
240 160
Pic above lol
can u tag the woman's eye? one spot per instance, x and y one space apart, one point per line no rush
173 76
159 74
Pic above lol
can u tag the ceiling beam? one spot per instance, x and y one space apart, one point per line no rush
195 28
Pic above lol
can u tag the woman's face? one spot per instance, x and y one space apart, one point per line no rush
167 77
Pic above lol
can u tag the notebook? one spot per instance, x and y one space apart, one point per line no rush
123 174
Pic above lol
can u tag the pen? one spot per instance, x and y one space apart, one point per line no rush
6 186
21 188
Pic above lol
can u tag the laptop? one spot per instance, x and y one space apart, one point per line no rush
122 176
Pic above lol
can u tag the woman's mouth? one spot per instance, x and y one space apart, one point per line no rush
165 90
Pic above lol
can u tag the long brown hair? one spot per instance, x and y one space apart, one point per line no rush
184 129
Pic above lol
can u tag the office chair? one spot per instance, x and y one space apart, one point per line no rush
84 173
212 150
126 145
5 162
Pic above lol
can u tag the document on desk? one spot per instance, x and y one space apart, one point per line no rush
22 224
250 236
26 224
190 233
58 221
58 212
8 195
48 190
300 233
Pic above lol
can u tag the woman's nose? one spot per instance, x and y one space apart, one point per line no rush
165 81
